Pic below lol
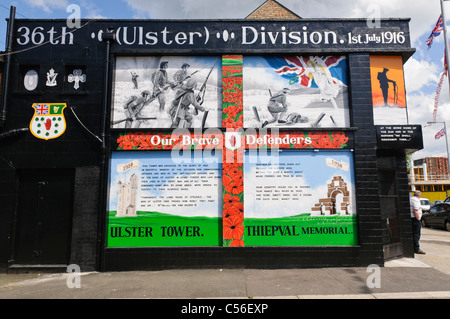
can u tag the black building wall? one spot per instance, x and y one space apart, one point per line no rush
79 152
76 150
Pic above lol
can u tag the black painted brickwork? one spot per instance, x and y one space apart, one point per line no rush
76 149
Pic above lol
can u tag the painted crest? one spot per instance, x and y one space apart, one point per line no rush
233 140
77 77
48 121
51 78
31 80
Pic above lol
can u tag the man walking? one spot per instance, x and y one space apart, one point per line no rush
416 216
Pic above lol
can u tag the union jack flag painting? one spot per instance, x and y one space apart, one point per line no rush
438 28
439 134
41 109
299 69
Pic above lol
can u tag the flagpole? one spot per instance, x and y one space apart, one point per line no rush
446 144
446 141
444 25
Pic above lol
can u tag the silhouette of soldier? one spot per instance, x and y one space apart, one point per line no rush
384 84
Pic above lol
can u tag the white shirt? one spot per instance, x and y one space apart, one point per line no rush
415 204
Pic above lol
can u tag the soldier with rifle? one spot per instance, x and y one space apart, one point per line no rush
133 109
179 111
161 83
384 85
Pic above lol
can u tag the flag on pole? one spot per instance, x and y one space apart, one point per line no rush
438 28
439 134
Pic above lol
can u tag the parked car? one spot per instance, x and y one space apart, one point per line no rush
438 216
434 203
426 204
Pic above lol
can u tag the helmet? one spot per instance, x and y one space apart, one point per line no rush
191 83
146 92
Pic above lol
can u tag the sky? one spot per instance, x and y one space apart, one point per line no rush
422 71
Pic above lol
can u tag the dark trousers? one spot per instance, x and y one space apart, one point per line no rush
416 228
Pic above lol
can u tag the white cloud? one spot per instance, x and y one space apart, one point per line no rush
48 5
420 73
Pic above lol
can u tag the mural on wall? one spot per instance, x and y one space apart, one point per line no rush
296 91
388 90
164 198
306 198
167 92
156 201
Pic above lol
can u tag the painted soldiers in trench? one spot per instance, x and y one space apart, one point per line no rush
179 111
134 107
161 83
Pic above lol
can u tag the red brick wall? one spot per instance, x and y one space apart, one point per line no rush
272 10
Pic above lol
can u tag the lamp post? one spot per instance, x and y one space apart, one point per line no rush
446 141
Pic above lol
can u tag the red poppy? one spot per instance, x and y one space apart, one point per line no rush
339 138
237 243
320 140
127 142
233 185
232 227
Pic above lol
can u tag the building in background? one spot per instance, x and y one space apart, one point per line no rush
431 176
276 114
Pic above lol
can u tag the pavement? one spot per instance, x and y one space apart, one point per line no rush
423 277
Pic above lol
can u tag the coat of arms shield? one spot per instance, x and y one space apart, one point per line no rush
48 121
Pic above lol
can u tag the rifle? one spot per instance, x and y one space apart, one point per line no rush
204 119
201 94
395 93
131 120
176 113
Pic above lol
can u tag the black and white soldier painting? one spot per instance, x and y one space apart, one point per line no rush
167 92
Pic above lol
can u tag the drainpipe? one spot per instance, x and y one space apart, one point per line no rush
9 42
108 37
